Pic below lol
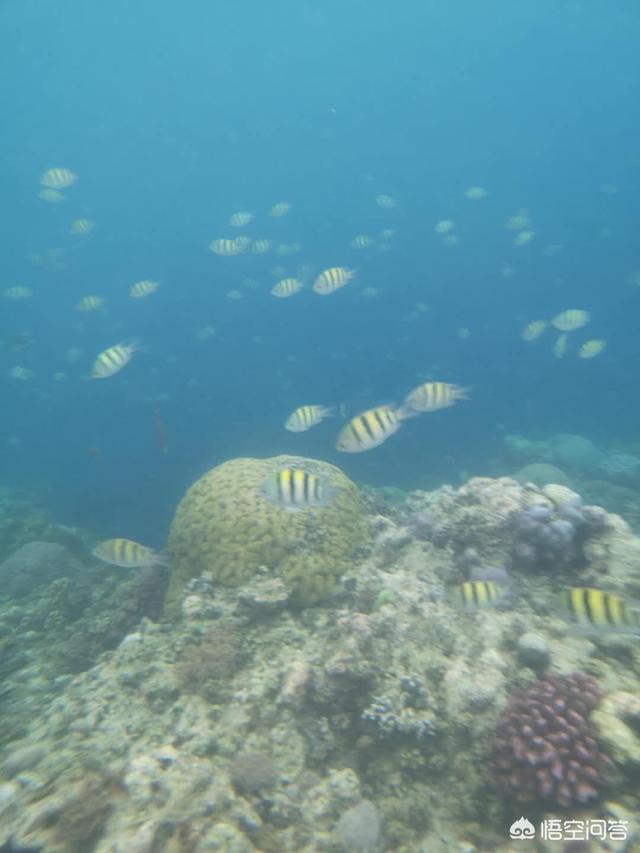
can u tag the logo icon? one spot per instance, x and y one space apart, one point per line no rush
522 829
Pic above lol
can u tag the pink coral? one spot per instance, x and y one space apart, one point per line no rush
543 746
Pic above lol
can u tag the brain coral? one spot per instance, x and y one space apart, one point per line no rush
225 527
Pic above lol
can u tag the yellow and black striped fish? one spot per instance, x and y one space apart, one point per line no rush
571 319
279 209
58 179
112 360
20 372
81 226
143 288
361 241
286 287
305 417
560 346
476 595
332 279
590 349
17 292
533 330
432 396
89 303
368 429
240 219
595 610
226 246
294 489
127 554
261 245
51 196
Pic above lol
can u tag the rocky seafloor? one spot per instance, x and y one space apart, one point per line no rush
364 724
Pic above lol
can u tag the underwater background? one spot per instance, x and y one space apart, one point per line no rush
176 117
319 451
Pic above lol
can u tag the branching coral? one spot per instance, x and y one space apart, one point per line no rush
544 747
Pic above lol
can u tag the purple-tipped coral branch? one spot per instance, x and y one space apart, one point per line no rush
543 746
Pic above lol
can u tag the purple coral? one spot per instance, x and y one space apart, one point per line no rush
548 537
421 525
543 746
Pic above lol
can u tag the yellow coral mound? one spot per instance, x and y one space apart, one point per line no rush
224 526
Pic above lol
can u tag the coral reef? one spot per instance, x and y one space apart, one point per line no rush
550 536
205 667
21 521
252 772
364 723
617 722
608 477
615 498
224 526
62 614
544 747
81 815
621 467
541 473
574 452
359 828
34 564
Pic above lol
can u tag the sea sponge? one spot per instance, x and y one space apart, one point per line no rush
225 527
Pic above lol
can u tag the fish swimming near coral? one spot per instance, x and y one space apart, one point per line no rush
369 429
128 554
595 611
432 396
294 489
477 595
305 417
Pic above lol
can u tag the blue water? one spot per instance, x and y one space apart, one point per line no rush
177 115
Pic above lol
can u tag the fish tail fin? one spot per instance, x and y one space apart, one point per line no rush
329 411
406 411
136 345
